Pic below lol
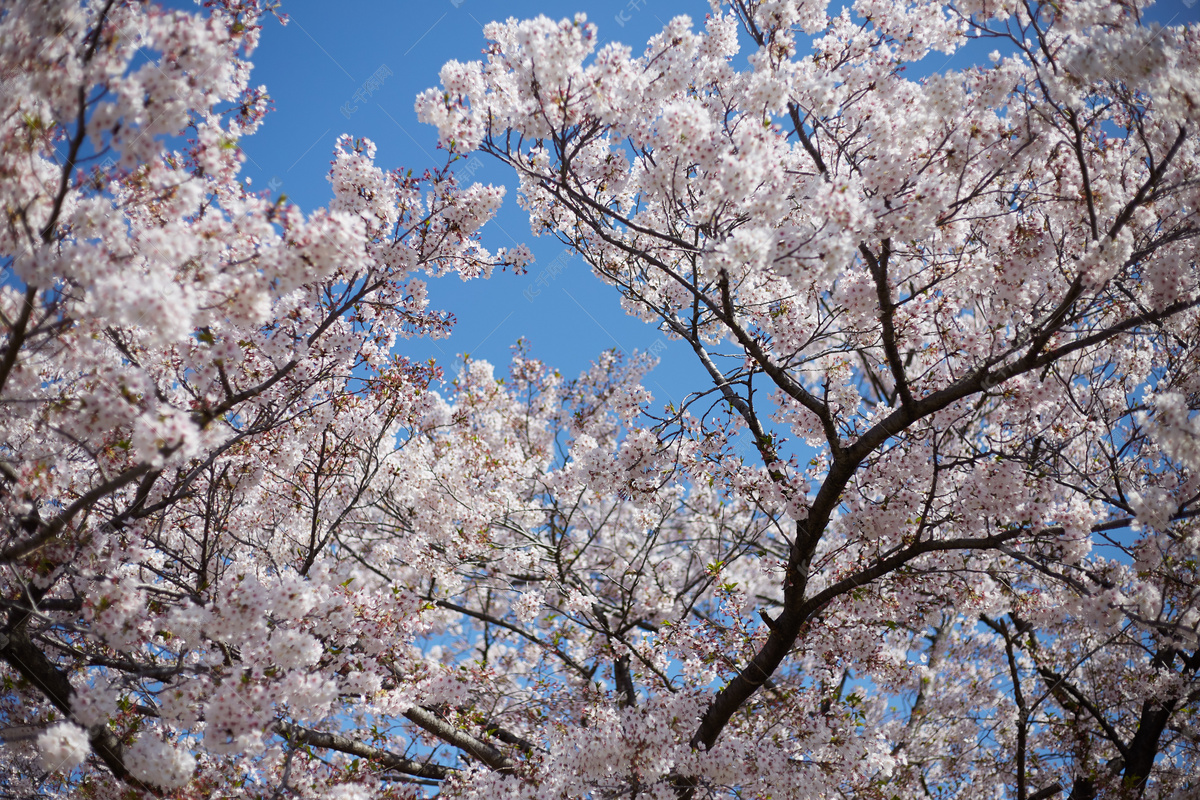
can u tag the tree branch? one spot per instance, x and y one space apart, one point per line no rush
332 741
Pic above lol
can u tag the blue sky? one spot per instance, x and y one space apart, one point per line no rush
314 66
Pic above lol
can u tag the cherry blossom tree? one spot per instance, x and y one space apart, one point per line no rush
929 531
972 297
197 390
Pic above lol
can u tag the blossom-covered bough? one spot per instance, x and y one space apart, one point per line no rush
929 532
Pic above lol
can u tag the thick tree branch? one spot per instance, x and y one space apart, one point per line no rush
479 750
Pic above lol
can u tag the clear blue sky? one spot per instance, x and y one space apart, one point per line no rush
312 69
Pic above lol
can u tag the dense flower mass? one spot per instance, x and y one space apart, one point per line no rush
929 531
63 747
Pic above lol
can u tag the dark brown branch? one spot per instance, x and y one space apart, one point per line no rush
31 664
56 525
887 316
16 337
343 744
